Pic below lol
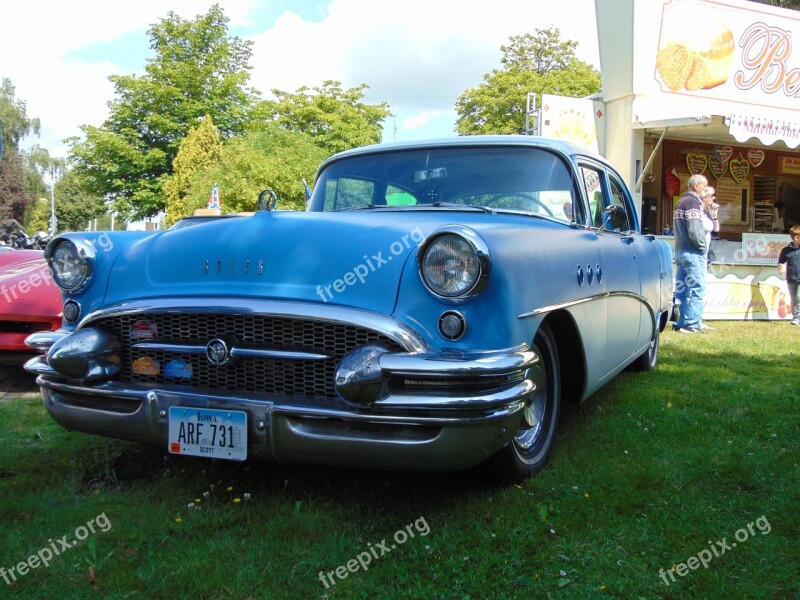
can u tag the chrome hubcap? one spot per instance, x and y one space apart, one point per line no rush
533 424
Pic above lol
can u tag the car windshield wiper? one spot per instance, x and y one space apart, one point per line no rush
359 207
485 209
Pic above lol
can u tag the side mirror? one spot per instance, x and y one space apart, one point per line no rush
614 218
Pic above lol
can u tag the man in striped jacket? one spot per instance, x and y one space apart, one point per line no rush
690 249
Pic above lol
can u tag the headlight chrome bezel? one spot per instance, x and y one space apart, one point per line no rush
469 241
79 257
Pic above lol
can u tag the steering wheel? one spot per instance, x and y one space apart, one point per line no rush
527 202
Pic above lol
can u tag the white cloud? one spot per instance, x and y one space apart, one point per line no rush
423 118
38 35
419 55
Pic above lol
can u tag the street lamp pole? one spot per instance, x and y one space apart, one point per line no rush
53 219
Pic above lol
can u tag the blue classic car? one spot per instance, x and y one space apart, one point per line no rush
429 311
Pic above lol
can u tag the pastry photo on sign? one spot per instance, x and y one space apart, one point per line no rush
693 59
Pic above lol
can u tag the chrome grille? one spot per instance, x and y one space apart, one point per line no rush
253 374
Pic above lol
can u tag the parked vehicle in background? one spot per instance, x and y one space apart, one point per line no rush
29 302
430 310
13 235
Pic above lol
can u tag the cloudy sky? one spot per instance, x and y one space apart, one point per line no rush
417 55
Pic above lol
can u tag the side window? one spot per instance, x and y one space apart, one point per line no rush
623 222
594 193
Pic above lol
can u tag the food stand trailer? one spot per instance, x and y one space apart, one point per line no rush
702 86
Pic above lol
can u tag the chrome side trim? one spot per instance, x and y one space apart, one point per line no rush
561 305
390 327
236 352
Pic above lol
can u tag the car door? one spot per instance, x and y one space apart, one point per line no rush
646 263
618 269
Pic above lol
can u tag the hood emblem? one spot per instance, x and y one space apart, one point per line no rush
218 352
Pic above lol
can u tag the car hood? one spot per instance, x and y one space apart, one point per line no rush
16 260
353 258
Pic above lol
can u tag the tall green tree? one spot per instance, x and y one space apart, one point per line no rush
541 63
200 150
337 119
197 69
14 117
19 182
271 158
40 166
74 206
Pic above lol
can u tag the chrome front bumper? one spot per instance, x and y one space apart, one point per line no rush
450 411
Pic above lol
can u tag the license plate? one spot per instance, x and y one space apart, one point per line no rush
208 432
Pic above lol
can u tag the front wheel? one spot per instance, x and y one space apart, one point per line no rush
530 448
648 360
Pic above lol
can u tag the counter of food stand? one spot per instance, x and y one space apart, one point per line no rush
743 281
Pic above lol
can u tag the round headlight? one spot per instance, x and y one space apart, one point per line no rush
451 266
70 270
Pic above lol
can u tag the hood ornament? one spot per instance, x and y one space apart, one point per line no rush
267 200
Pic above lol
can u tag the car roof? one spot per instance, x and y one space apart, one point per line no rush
564 147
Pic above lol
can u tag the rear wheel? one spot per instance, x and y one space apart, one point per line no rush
528 452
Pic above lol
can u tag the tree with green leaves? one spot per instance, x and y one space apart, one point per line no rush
337 119
200 150
18 183
197 70
271 158
13 115
541 63
74 206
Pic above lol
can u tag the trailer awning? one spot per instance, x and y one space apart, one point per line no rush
717 122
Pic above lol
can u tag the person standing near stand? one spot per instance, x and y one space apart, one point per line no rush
710 226
789 266
690 256
710 218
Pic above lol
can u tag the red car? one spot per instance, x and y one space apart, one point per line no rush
29 301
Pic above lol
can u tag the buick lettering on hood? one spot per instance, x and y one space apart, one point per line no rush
432 309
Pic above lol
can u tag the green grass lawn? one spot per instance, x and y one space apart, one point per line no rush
696 461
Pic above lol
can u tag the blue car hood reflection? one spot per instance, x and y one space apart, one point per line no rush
353 258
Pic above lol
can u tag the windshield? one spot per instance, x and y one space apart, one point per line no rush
503 179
